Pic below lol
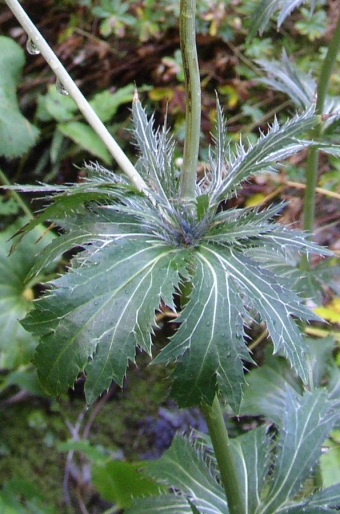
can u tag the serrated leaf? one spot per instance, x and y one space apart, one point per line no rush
208 250
209 342
265 9
17 134
306 424
272 301
86 138
183 468
285 77
100 311
156 154
279 143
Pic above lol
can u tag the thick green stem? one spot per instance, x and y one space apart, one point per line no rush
192 99
72 89
221 443
313 154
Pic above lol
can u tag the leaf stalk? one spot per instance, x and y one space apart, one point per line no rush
221 444
72 89
192 99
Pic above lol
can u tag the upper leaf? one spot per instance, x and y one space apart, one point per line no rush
279 143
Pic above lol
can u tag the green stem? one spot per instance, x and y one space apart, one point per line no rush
221 443
313 153
193 99
15 195
72 89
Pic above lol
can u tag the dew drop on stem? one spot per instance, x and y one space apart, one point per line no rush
32 48
60 88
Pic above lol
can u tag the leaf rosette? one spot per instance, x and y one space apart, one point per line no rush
139 250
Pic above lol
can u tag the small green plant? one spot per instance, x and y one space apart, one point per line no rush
162 239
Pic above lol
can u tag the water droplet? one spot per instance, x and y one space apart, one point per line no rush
60 88
32 48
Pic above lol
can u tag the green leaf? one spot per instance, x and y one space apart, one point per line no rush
209 341
306 424
279 143
59 107
285 77
106 104
264 10
22 497
184 468
266 387
86 138
16 345
100 311
17 134
156 155
120 482
251 457
83 446
328 498
164 504
216 253
272 301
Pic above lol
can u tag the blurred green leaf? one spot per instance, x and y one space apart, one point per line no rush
86 138
16 345
93 454
17 134
22 497
119 482
330 461
106 104
55 106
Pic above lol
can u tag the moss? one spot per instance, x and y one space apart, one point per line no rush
31 434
